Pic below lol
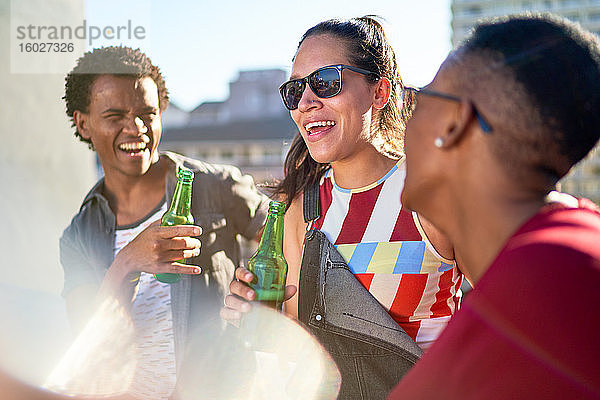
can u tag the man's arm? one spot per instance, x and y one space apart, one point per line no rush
80 304
244 206
80 281
155 250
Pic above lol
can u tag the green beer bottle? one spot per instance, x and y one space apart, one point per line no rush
267 264
178 214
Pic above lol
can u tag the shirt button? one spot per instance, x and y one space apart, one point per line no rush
318 317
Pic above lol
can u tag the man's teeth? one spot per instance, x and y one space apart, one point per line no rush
132 146
311 125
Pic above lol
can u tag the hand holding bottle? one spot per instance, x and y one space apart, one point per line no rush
265 278
238 301
179 213
157 250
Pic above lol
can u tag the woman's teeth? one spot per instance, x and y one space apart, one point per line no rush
317 124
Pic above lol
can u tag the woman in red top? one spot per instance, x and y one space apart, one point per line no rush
507 115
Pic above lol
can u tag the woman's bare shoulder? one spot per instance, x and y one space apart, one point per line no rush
294 216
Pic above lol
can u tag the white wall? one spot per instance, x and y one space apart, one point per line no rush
44 174
44 170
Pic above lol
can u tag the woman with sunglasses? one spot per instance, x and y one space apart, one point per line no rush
373 277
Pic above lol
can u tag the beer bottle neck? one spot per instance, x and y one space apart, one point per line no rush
272 237
182 199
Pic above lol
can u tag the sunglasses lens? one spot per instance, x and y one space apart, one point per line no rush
291 93
326 82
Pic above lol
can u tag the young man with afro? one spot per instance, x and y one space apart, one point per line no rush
114 244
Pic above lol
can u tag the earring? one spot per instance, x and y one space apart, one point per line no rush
438 142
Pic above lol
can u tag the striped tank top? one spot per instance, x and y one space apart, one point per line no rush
387 250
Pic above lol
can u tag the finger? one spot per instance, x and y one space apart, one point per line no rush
190 253
176 255
290 291
243 275
242 290
237 304
178 268
183 243
168 232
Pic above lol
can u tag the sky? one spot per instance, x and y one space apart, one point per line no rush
201 45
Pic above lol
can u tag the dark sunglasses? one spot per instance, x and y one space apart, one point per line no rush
485 126
325 82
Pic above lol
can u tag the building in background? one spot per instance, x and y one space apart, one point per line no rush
251 129
466 12
175 116
584 179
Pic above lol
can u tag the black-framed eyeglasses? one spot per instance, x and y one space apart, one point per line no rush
485 126
325 82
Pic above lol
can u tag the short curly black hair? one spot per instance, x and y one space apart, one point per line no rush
557 63
113 60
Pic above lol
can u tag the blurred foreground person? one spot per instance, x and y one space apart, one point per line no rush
507 115
376 282
115 244
13 389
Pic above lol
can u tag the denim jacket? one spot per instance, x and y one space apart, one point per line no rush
225 203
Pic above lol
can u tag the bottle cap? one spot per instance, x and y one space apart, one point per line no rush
277 207
185 175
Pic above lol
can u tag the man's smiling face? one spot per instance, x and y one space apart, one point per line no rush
123 123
